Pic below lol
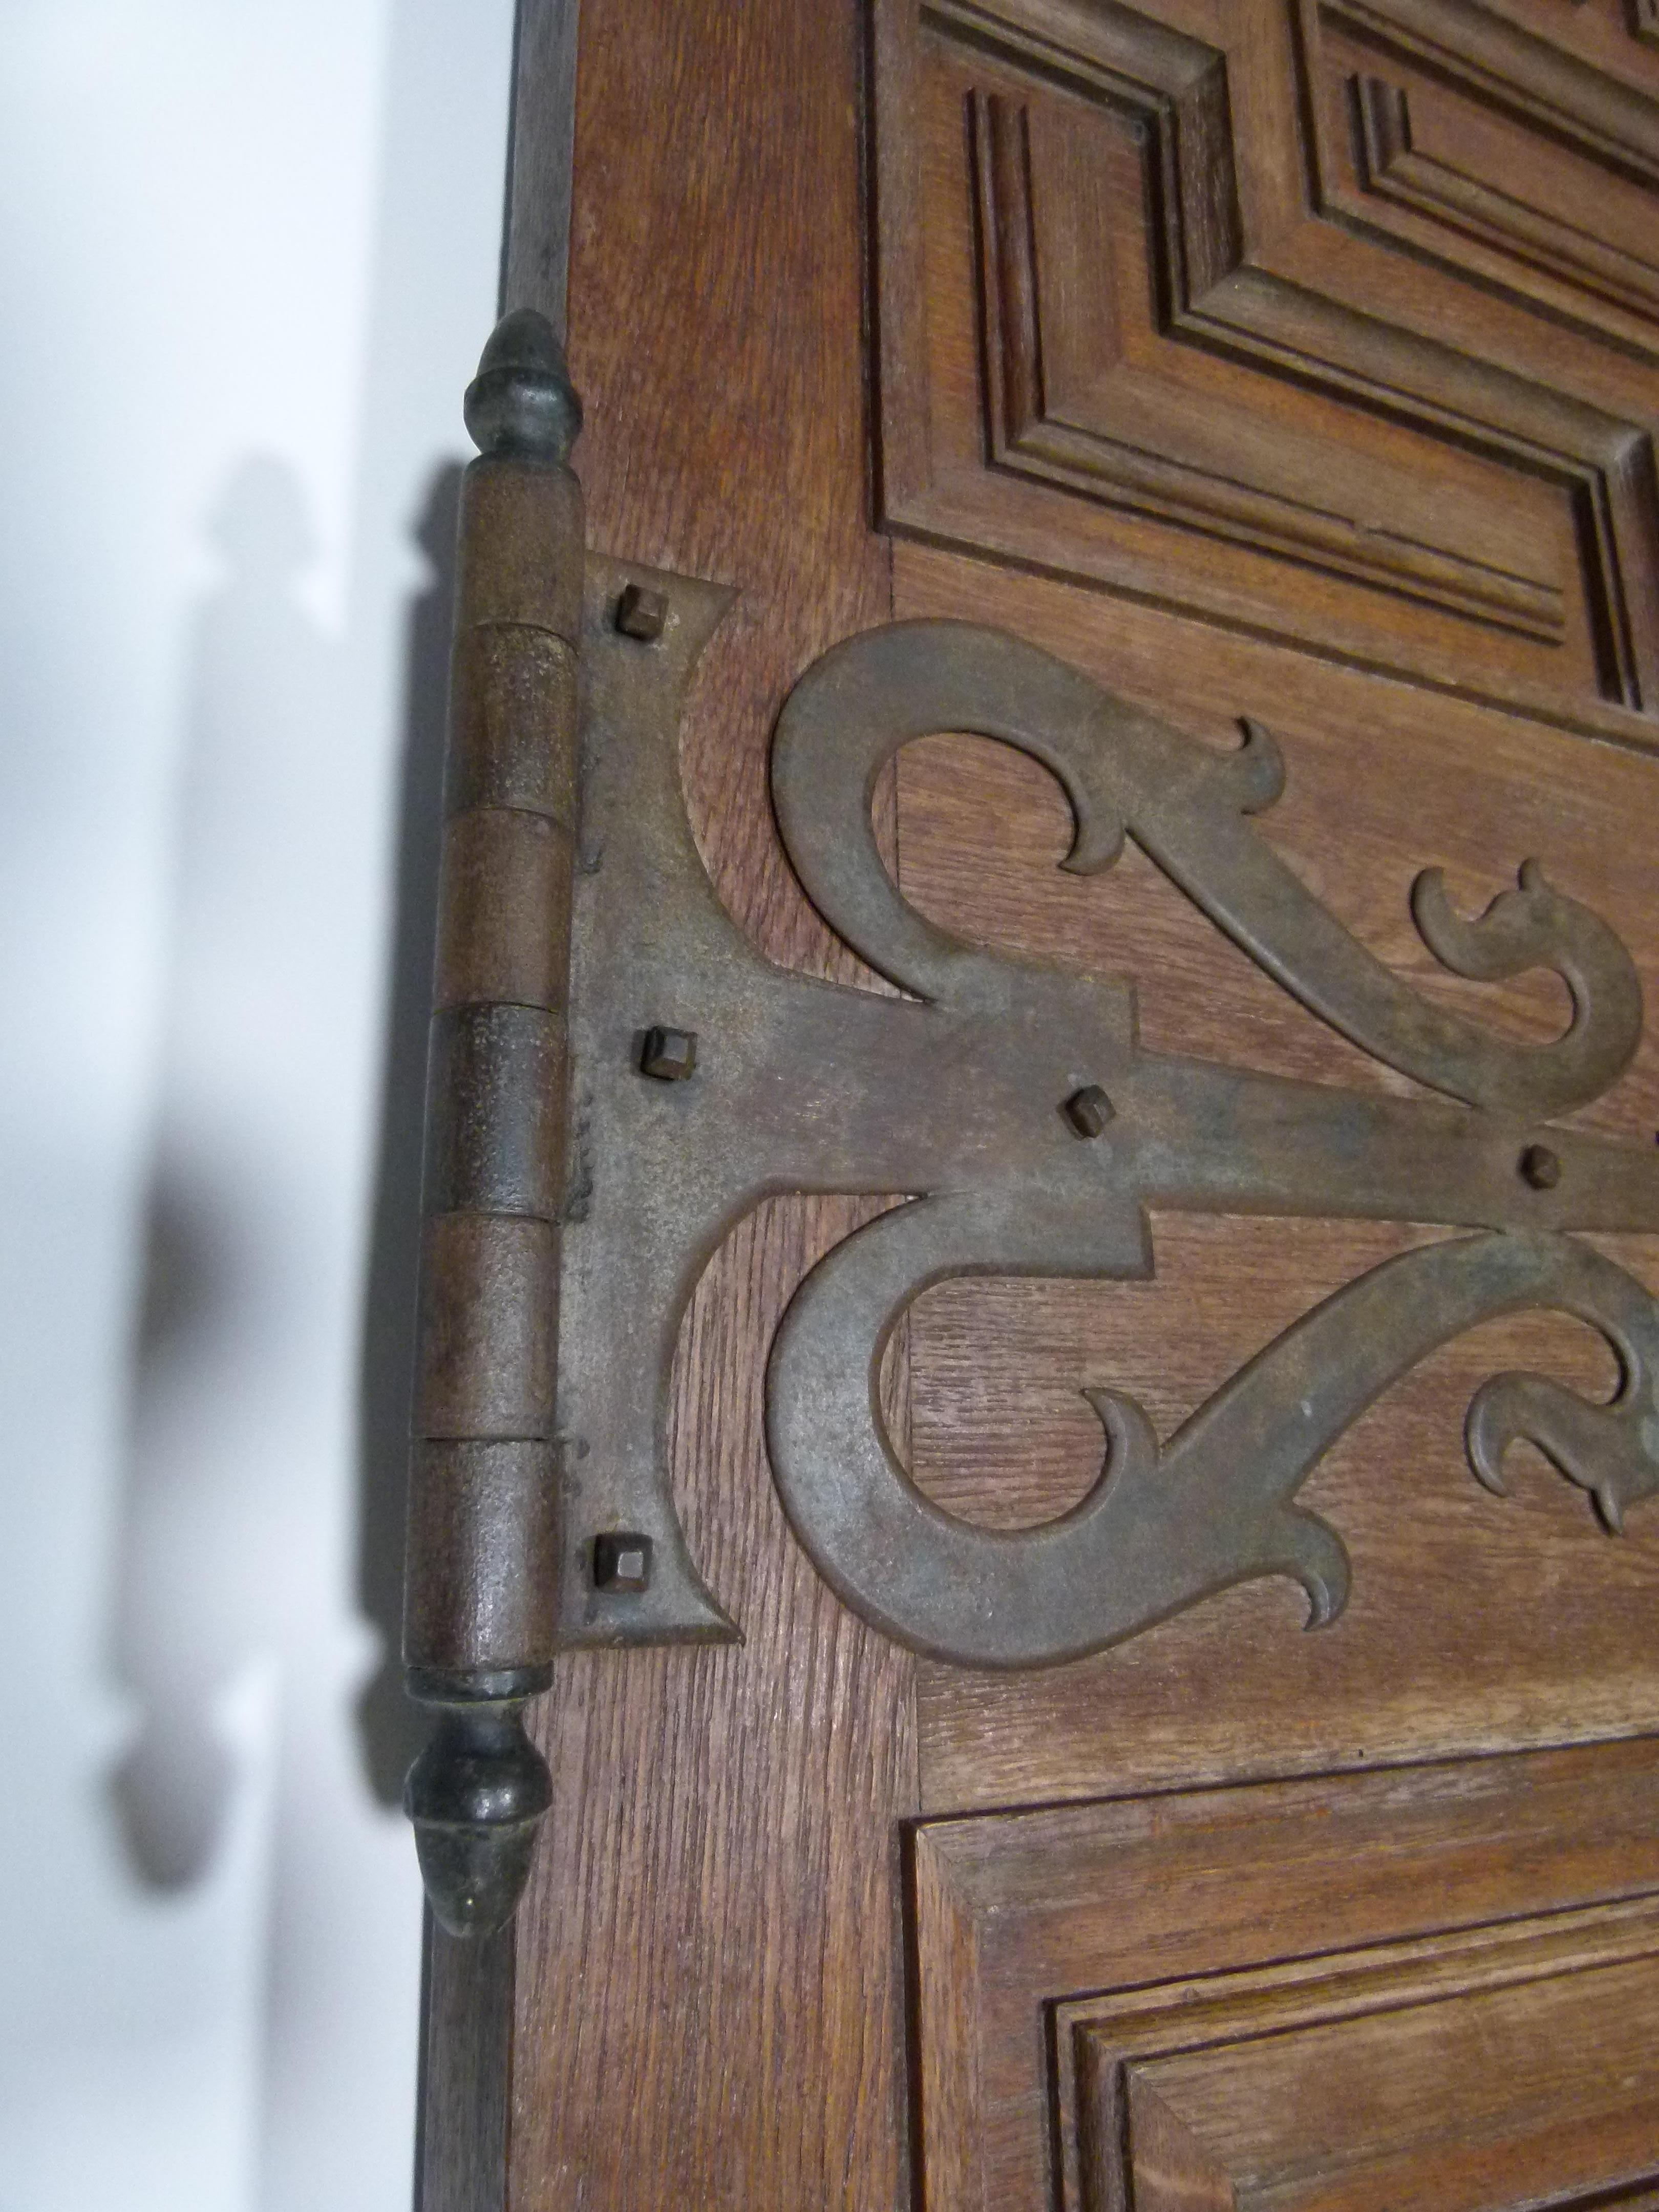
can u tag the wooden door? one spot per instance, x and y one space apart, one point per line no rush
1289 359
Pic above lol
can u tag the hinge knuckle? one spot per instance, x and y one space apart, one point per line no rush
481 1576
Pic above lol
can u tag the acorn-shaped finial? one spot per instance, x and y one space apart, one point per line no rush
477 1795
522 400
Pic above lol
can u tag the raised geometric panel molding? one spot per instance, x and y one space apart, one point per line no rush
1392 407
1083 395
1488 181
1362 1991
1502 156
1513 2067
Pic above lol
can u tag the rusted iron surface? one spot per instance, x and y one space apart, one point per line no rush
480 1582
970 1096
617 1077
483 1510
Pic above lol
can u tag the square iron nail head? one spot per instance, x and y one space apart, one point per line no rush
641 613
621 1561
1088 1110
669 1055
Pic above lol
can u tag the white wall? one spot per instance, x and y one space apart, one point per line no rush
249 252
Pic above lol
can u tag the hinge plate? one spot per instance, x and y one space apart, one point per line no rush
1014 1106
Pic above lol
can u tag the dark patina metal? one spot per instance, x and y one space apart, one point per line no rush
1541 1167
1088 1110
949 1096
621 1561
476 1795
478 1632
669 1055
579 1179
641 613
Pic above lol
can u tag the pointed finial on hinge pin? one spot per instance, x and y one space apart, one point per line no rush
476 1795
522 401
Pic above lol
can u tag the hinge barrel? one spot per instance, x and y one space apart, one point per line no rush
482 1523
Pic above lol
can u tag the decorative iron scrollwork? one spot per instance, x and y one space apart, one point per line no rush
701 1078
1162 1529
949 1097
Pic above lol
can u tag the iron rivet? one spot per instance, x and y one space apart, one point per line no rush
641 613
1089 1110
621 1561
1540 1167
670 1055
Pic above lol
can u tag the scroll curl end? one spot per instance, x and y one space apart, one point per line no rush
1255 773
1131 1446
1317 1557
1097 843
1612 1451
1519 929
1534 926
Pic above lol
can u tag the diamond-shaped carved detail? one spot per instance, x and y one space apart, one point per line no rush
1114 323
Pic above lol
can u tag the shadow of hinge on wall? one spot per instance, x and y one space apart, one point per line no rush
617 1077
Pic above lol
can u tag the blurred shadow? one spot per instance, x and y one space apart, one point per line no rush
390 1727
197 1586
174 1787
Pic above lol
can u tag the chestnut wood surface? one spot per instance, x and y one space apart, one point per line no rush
1428 1987
1153 316
1475 1623
1547 2090
708 1994
1295 359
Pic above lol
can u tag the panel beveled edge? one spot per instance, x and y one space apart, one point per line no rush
1239 300
1029 1922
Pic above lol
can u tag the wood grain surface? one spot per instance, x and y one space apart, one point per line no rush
1146 322
1476 1623
1125 1996
1547 2090
708 1988
1201 346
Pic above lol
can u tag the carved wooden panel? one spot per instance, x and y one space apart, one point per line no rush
1514 2067
1273 415
1492 151
1336 324
1492 193
1434 1987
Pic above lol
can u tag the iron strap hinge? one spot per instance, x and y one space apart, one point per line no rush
618 1077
